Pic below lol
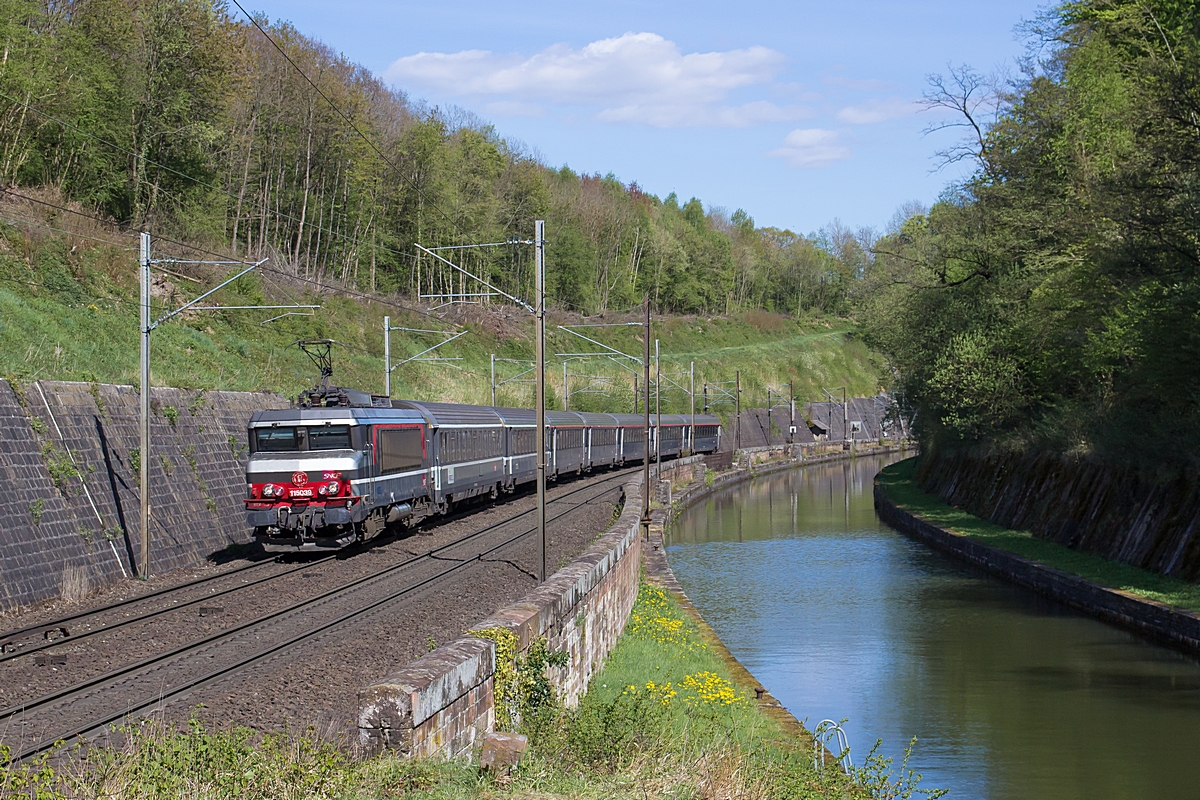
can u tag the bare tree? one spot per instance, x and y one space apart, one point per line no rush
976 101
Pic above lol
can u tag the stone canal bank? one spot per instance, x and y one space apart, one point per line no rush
1163 609
1010 694
747 465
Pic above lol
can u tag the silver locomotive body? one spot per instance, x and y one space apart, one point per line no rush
324 478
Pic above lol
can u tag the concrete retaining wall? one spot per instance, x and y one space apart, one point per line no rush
1158 621
440 704
71 498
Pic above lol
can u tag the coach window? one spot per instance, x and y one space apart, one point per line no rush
400 449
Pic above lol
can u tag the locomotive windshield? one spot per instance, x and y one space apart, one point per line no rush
275 440
290 440
329 437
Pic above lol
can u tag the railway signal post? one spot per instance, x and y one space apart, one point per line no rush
538 309
144 387
737 437
657 408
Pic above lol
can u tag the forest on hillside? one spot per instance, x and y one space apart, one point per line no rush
1052 301
253 139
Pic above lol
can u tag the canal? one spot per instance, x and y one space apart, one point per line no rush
1010 695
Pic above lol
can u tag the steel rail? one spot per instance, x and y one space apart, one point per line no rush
276 649
76 690
157 612
6 636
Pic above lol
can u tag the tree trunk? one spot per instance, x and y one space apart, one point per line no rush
237 214
307 186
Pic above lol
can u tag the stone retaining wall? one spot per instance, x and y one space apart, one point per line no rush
1157 621
442 703
71 500
1117 514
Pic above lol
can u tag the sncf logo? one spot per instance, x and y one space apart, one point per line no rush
299 479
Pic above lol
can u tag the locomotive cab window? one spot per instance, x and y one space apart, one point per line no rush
329 437
276 440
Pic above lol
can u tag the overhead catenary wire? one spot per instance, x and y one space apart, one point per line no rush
23 221
205 251
346 117
275 213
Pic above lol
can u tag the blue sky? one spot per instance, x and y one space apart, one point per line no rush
798 112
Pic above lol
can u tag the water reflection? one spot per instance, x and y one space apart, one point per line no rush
1011 695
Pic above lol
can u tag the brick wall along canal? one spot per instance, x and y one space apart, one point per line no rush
1011 696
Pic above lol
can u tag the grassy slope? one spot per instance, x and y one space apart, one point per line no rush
71 315
898 481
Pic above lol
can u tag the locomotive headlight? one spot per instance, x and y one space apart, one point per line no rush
324 490
333 487
268 491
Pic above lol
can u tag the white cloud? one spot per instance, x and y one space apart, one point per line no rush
877 111
808 148
636 77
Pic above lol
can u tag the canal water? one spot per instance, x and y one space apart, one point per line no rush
1009 695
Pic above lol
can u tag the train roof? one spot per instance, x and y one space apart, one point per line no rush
460 414
345 414
527 416
636 420
517 416
597 420
452 413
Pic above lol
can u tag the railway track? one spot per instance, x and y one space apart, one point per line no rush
90 706
13 643
66 630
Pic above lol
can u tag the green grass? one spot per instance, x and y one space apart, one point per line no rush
71 314
899 483
660 656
